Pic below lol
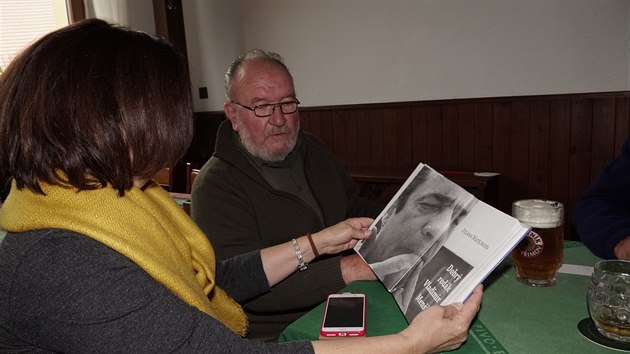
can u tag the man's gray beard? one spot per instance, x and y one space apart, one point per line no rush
261 152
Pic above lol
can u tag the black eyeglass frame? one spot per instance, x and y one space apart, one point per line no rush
273 107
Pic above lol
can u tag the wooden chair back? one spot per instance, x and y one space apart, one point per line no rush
164 178
191 174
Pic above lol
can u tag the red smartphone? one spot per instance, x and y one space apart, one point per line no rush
344 315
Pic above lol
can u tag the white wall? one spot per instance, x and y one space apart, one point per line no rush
371 51
214 37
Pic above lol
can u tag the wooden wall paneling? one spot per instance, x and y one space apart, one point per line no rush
559 149
548 146
501 118
519 151
622 126
205 125
603 129
501 113
317 124
538 149
339 136
305 120
327 129
450 138
484 143
404 132
579 158
201 147
376 138
314 126
580 153
390 139
419 133
352 138
434 137
364 133
466 143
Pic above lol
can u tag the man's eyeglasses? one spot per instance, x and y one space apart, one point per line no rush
266 110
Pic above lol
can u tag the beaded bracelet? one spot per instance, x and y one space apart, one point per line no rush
302 266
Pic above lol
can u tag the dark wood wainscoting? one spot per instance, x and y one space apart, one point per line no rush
549 146
201 148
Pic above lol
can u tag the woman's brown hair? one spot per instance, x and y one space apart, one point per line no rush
93 104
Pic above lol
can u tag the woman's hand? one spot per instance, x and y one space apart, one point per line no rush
443 328
342 236
436 329
281 260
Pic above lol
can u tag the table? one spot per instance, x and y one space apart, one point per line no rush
182 199
514 318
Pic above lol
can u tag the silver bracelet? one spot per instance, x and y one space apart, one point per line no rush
302 266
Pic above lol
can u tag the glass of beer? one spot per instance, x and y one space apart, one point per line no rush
609 299
539 256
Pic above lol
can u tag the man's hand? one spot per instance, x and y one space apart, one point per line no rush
395 264
622 250
354 268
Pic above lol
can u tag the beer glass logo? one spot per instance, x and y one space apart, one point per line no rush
531 246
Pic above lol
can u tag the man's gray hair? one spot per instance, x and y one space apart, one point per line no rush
252 54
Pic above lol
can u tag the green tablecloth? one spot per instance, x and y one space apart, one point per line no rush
514 318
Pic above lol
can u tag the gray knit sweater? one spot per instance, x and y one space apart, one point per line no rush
64 292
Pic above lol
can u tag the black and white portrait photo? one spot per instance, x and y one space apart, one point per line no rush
415 225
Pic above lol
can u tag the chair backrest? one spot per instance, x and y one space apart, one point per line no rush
186 207
163 178
191 174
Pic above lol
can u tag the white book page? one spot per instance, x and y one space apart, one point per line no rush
482 239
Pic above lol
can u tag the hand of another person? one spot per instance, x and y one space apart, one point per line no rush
622 249
394 264
353 267
443 328
341 236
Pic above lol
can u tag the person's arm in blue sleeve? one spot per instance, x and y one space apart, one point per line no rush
602 214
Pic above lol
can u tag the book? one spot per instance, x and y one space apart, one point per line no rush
435 242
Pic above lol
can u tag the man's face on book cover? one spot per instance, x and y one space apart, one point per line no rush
423 218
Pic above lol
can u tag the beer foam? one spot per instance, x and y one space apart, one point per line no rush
538 213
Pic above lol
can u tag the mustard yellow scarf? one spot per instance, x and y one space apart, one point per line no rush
147 226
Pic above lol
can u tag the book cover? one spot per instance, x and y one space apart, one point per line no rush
434 242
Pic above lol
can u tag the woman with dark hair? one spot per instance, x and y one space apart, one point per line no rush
98 257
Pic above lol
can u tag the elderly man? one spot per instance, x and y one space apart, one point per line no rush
267 183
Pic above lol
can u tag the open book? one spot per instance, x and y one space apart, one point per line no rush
434 242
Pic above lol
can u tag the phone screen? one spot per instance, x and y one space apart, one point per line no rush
344 312
344 315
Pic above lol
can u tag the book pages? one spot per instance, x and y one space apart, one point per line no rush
434 242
